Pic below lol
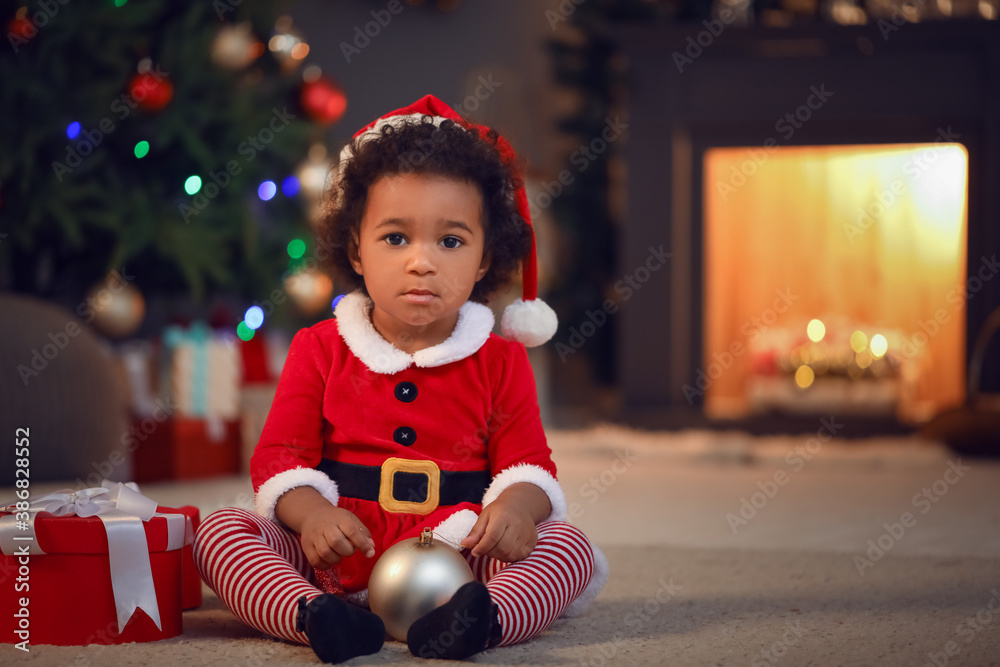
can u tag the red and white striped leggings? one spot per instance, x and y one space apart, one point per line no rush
260 571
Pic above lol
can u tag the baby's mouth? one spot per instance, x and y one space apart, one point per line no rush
419 296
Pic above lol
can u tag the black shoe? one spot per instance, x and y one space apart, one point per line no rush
465 625
338 630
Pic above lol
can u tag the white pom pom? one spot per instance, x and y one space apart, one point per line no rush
529 322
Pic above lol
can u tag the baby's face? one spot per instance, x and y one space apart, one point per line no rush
420 249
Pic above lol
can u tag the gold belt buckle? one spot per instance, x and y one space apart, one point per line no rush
386 497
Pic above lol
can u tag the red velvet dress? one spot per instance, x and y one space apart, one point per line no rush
467 405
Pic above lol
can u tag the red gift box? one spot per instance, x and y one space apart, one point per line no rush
65 596
190 579
183 448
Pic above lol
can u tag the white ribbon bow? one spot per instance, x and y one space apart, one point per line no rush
121 509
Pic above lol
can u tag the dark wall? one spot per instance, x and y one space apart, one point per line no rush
423 50
902 89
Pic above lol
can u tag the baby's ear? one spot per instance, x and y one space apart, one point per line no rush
484 266
354 255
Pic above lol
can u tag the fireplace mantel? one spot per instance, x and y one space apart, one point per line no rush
923 79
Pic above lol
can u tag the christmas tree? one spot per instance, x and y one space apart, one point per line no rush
161 136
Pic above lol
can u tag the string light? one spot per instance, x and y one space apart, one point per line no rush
267 190
859 341
815 330
804 377
879 345
296 248
311 73
290 186
254 317
192 185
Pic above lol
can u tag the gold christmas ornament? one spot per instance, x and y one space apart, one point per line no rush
118 307
310 289
235 46
414 577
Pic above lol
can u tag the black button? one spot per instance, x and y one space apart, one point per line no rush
406 392
404 435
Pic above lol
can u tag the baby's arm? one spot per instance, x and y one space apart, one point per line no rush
506 528
329 533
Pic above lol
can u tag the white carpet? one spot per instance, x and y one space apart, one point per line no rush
687 589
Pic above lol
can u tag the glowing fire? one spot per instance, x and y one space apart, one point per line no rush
805 244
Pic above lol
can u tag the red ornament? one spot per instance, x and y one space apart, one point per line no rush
323 100
22 27
152 92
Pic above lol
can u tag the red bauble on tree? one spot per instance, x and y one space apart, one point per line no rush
22 27
323 100
151 91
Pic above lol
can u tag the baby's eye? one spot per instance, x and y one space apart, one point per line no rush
451 242
394 239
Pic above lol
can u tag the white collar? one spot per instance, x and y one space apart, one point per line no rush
475 323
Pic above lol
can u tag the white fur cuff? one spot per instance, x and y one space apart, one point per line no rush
456 528
526 472
269 492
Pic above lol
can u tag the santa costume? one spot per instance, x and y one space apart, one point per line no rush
404 441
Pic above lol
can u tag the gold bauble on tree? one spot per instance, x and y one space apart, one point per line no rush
414 577
235 46
117 307
310 289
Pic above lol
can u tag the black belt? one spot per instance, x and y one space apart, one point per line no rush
405 485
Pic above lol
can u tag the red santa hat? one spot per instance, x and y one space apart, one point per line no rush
528 320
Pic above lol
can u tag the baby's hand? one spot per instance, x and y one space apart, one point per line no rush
332 534
504 531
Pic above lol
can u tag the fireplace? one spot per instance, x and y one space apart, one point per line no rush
829 277
828 197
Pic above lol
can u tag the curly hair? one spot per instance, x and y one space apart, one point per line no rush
450 150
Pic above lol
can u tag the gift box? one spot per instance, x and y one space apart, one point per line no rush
96 566
204 370
190 579
185 448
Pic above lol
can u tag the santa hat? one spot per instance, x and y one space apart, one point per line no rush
528 320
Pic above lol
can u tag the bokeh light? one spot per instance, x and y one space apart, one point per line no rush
879 345
254 317
192 184
243 331
815 330
291 186
267 190
804 377
142 149
296 248
859 341
73 130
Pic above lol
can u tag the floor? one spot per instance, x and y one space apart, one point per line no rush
687 489
725 549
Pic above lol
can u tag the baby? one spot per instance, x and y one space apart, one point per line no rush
406 412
